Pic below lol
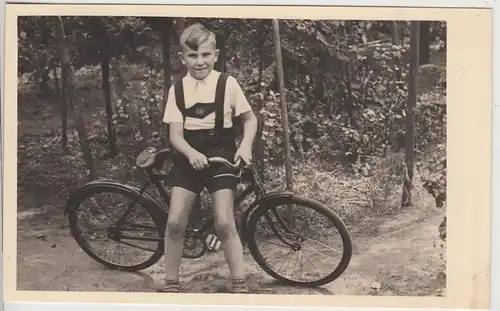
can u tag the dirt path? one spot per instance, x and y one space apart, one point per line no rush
400 254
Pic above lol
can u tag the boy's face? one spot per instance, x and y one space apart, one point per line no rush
199 63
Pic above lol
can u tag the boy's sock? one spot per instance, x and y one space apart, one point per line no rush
239 286
170 286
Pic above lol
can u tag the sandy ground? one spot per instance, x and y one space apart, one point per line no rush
393 255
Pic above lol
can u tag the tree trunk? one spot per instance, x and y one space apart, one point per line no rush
64 107
166 33
44 65
260 142
113 150
395 33
167 74
349 104
179 27
424 48
71 99
410 114
221 45
64 99
57 86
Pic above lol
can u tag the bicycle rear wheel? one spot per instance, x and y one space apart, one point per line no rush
274 231
143 229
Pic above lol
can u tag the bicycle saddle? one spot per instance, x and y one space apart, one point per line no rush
150 157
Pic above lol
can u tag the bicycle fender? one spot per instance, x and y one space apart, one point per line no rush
107 183
274 195
270 197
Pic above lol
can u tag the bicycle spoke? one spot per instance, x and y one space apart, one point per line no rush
286 258
294 266
279 245
314 251
102 211
312 264
326 246
265 256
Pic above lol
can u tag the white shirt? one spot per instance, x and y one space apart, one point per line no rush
203 91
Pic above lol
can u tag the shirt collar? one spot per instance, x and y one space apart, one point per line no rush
193 81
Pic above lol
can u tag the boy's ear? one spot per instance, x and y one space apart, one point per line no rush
217 52
181 58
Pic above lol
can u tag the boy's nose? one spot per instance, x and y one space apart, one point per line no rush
199 61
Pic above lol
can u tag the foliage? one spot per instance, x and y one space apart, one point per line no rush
345 89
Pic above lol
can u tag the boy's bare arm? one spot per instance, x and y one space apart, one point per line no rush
177 140
197 159
249 128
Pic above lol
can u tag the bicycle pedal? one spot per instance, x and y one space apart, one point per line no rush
213 243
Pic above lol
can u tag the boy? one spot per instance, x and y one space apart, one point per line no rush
199 110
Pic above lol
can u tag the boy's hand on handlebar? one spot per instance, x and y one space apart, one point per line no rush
244 153
198 160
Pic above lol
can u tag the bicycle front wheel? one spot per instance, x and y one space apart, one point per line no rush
282 235
135 245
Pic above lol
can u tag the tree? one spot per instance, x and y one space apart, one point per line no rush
395 33
106 54
410 114
71 98
424 44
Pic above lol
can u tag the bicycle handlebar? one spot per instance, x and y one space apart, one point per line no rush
211 160
220 160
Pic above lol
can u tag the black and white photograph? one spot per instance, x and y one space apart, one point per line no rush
231 155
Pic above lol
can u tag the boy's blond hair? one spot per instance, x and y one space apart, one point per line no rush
195 35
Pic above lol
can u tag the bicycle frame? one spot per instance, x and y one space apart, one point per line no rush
256 186
157 179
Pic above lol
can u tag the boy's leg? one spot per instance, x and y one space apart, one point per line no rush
186 185
222 189
225 227
181 202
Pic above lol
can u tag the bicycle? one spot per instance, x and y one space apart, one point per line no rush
264 207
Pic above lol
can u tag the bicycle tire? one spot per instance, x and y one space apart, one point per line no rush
300 202
145 203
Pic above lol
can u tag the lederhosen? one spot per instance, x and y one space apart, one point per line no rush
218 141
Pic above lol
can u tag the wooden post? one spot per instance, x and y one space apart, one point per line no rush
284 113
410 114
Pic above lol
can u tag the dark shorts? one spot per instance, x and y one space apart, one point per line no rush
216 176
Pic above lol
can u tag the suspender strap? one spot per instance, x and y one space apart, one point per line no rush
179 98
219 102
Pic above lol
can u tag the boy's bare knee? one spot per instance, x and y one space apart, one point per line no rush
175 228
225 228
180 205
224 218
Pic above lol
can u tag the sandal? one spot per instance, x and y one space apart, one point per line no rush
170 286
239 286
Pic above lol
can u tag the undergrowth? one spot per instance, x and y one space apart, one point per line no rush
47 175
